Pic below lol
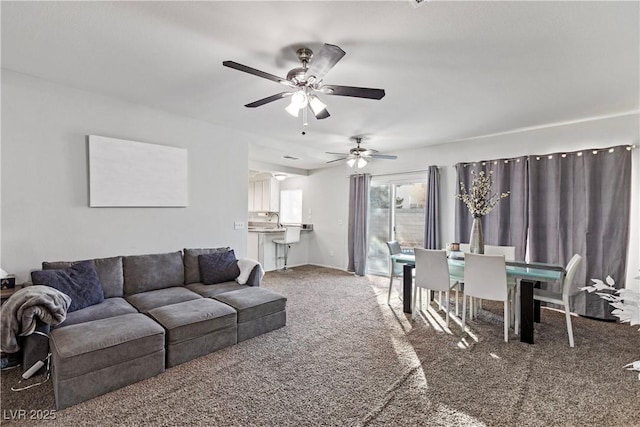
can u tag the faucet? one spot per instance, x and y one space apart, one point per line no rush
271 214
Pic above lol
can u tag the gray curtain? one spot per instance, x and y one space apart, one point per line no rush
358 223
506 224
432 210
580 204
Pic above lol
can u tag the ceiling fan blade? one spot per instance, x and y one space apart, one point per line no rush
323 62
268 99
337 160
367 152
358 92
383 156
337 154
240 67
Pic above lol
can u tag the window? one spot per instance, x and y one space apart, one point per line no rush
291 206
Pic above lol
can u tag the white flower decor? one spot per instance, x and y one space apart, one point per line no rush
626 304
479 198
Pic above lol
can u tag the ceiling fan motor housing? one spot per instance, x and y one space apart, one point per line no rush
297 75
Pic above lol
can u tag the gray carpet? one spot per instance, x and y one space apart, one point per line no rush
347 358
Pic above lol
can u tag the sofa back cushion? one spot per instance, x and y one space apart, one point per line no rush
192 266
150 272
109 272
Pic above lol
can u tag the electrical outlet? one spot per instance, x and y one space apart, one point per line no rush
238 225
330 253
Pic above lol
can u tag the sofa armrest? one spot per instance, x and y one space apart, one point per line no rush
254 277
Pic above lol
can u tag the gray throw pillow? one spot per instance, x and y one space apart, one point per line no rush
80 282
218 267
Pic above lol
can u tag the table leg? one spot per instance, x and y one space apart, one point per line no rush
407 283
526 311
536 306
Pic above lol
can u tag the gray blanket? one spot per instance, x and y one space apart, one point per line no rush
20 312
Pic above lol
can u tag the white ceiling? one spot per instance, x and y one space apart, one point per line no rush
451 70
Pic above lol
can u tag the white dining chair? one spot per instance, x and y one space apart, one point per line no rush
291 235
562 298
485 276
509 253
432 274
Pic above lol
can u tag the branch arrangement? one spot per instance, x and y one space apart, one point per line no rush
479 198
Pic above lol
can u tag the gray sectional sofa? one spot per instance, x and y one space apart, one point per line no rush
156 314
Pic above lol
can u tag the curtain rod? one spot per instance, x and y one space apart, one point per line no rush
629 147
406 172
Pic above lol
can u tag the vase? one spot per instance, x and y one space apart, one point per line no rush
476 241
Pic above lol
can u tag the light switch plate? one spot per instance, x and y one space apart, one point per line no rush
238 225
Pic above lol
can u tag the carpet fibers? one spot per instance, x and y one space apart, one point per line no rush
347 358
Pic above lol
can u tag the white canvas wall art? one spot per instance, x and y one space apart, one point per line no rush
135 174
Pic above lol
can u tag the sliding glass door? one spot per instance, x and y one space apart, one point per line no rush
396 212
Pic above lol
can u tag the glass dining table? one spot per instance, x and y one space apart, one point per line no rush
530 275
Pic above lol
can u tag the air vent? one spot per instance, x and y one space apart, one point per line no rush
291 158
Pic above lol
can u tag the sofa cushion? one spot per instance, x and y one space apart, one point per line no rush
193 319
109 271
252 303
91 346
218 267
146 301
209 291
150 272
191 264
110 307
80 282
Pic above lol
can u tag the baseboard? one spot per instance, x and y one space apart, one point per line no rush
313 264
333 267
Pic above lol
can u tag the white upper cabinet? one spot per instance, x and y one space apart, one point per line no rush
264 195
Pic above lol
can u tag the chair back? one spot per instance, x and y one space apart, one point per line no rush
292 234
432 269
509 252
485 276
572 267
394 247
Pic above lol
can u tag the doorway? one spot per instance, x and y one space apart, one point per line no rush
396 212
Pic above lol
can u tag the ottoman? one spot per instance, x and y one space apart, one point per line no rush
100 356
195 328
259 310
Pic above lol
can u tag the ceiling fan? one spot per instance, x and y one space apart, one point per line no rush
306 81
358 156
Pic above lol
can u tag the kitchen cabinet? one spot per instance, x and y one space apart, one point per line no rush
253 250
260 247
264 195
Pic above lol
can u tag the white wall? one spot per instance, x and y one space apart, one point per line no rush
329 187
45 210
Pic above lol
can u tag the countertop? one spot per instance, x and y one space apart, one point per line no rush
265 230
270 230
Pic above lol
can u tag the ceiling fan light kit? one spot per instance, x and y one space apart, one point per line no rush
308 79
